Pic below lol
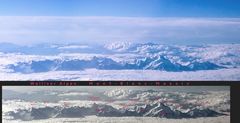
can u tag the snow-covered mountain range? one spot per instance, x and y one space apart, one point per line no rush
155 110
114 103
118 56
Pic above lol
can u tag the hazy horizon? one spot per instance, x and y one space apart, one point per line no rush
29 22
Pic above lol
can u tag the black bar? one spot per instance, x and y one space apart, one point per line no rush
235 103
118 83
235 88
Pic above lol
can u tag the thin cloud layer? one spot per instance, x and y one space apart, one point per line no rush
39 29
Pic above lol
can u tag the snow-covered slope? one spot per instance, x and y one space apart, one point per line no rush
121 56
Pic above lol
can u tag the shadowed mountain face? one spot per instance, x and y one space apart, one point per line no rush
66 65
159 63
155 110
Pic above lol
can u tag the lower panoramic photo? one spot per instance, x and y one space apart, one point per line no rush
116 104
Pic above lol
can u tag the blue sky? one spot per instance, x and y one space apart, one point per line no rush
130 8
80 21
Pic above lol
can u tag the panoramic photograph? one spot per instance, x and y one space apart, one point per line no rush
51 41
119 104
119 40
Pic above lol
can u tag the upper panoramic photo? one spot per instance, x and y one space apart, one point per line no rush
120 40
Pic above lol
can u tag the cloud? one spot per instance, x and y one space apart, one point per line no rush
37 29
